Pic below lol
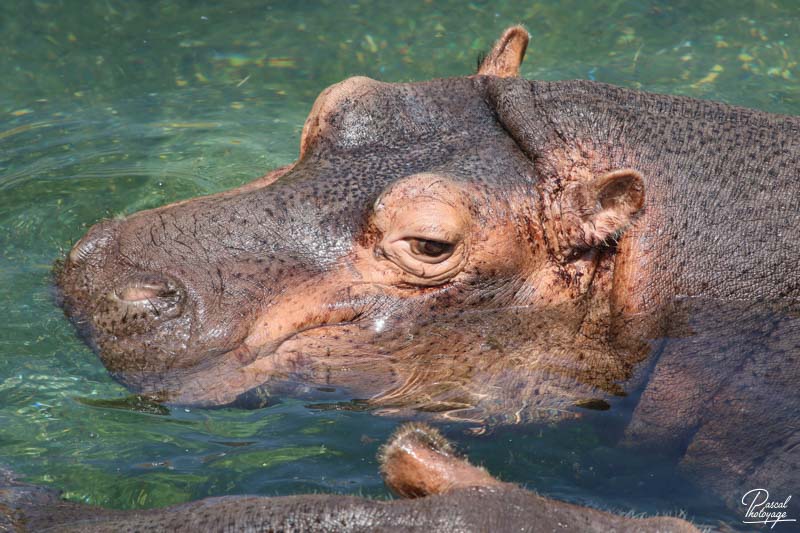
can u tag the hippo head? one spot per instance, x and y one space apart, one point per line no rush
413 255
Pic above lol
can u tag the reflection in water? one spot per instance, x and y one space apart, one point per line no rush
134 402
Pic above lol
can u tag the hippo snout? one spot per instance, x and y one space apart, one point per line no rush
135 313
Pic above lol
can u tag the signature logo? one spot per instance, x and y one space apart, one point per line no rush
762 510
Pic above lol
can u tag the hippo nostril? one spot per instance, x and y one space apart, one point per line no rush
83 249
96 238
146 291
150 295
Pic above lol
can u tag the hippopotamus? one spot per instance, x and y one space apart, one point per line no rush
490 250
444 493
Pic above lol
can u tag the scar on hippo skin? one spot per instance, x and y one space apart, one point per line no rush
447 494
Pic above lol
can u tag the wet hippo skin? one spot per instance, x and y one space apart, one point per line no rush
491 250
449 494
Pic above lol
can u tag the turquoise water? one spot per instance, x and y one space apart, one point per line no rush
109 107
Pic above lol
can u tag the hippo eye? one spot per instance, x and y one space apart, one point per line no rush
429 261
424 225
431 249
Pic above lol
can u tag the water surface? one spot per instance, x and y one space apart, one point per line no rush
108 107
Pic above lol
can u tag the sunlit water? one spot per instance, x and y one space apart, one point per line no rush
110 107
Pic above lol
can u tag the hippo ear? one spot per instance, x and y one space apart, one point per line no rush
506 56
600 211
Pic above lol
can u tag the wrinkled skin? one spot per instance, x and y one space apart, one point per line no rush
451 495
487 249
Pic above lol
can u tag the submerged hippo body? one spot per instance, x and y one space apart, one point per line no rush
451 495
487 249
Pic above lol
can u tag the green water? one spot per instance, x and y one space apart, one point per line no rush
109 107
